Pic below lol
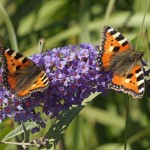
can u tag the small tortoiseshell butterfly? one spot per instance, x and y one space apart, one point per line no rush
117 54
21 75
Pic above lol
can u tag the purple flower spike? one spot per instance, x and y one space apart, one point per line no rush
74 77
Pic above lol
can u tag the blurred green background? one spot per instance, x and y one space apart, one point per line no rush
101 124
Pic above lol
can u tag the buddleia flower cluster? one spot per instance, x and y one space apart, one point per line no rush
74 76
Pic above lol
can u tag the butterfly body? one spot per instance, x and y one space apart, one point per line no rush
118 55
21 75
120 62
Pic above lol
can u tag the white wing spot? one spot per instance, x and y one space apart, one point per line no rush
127 80
138 74
14 54
7 50
116 34
122 41
140 82
110 30
111 48
141 90
21 59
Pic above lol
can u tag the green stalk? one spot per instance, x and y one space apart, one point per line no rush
11 32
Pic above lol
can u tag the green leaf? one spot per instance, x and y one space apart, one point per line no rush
10 28
112 146
59 126
26 133
36 20
133 21
19 130
104 117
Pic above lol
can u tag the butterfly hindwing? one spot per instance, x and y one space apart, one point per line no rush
133 83
40 84
20 74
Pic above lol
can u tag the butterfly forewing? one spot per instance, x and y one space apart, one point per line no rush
132 83
13 61
112 42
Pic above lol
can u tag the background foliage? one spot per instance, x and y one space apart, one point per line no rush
102 124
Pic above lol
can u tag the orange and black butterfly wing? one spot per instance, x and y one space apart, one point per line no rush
132 83
12 62
40 84
112 42
19 73
115 55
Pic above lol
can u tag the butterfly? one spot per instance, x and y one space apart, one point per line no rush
21 76
118 55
